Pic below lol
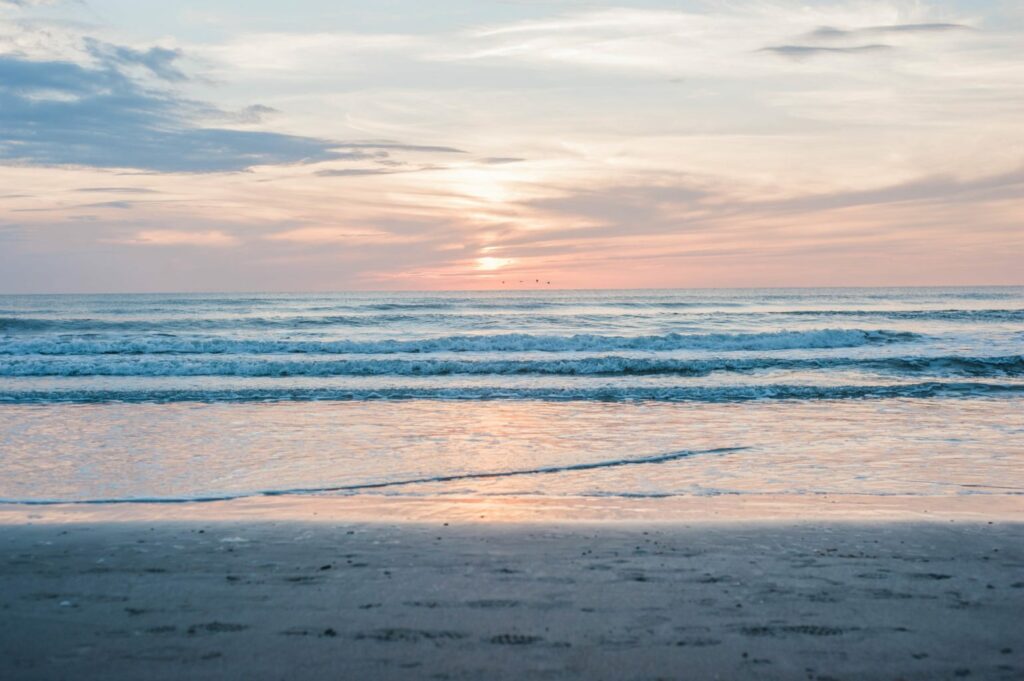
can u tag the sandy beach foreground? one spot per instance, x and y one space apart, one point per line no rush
290 599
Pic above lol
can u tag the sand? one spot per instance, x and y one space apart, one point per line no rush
181 595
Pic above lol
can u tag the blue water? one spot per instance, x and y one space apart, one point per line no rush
608 393
654 345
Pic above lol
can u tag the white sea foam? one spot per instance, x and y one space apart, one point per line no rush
512 342
604 365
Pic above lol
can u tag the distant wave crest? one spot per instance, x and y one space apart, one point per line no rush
398 314
247 366
512 342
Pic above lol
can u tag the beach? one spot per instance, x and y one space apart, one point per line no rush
561 340
761 484
279 590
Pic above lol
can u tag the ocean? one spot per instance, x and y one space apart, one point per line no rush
178 397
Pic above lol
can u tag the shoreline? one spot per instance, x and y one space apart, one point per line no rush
369 508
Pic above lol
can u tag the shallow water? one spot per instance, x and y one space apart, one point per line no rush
867 391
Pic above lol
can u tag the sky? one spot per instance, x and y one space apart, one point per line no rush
320 145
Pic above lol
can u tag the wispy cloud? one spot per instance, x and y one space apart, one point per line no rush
833 33
356 172
167 237
328 235
501 160
159 61
117 190
387 169
34 3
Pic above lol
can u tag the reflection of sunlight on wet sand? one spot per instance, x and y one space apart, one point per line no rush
180 451
762 508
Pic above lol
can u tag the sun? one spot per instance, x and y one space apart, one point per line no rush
489 264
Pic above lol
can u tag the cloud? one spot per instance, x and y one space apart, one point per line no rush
62 113
255 113
159 61
805 51
403 147
388 170
33 3
500 160
936 188
832 33
117 190
166 237
629 203
638 222
120 205
356 172
324 235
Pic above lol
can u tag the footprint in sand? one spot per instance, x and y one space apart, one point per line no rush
217 628
514 639
806 629
409 635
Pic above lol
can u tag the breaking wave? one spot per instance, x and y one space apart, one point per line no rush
512 342
369 317
609 365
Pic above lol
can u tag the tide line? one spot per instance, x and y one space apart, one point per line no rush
546 470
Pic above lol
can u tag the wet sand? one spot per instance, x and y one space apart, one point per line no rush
198 598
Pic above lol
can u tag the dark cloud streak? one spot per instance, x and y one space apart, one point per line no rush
117 190
805 51
500 160
402 147
362 172
832 33
356 172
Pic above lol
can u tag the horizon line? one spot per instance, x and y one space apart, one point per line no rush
509 290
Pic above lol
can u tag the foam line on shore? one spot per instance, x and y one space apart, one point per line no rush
544 470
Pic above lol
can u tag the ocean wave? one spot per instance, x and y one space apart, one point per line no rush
994 315
612 393
131 305
589 318
512 342
540 303
243 366
13 325
468 320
